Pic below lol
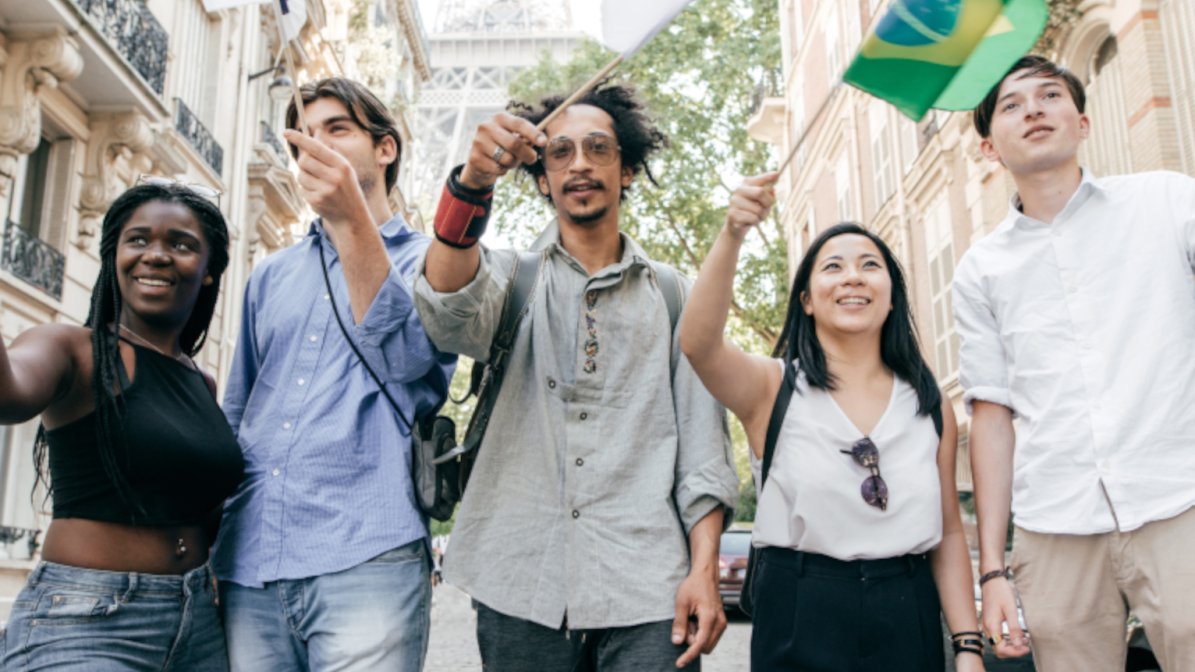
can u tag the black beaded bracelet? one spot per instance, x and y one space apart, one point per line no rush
995 574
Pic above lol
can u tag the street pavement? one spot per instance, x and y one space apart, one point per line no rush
453 643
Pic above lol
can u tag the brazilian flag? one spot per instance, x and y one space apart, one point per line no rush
945 54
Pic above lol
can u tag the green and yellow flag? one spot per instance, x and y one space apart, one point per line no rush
945 54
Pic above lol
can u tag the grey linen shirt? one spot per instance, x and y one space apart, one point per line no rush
598 460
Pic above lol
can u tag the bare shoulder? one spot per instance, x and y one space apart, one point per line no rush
55 338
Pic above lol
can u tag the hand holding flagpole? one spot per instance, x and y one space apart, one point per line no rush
282 12
626 26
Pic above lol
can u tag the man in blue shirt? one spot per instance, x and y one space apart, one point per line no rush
321 554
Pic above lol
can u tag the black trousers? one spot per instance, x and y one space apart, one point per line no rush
818 614
510 644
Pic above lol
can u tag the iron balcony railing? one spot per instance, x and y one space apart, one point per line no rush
12 535
190 127
33 260
268 137
137 36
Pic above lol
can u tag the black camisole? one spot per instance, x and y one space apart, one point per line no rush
180 457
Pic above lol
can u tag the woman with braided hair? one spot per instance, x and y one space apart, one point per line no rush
138 453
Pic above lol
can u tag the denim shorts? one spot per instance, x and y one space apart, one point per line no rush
71 619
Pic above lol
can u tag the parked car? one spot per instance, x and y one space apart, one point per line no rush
732 565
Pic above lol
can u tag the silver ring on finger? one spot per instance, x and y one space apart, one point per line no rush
499 152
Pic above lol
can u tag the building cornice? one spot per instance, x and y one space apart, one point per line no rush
412 28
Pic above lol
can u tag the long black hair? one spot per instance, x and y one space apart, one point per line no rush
105 313
898 336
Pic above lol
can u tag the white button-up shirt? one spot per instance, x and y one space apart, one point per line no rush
1085 328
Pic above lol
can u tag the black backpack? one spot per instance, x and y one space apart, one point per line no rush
779 408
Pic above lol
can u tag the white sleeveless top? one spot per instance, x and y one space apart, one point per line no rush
812 501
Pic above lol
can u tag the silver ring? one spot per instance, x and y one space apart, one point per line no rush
499 152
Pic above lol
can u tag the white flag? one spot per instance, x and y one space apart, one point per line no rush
293 16
627 25
294 12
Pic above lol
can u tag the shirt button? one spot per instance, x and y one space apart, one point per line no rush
326 297
580 461
551 383
313 339
584 415
576 513
301 382
276 472
286 425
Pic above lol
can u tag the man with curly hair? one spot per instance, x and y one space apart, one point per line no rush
589 533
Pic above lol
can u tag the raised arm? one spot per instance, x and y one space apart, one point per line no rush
330 186
746 384
464 207
36 370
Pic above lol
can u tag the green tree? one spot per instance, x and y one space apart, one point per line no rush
700 78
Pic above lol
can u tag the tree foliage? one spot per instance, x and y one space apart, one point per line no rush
699 78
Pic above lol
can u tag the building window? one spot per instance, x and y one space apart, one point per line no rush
1175 17
939 246
39 210
1106 151
842 190
881 153
833 47
910 147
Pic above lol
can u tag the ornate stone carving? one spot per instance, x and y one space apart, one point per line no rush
31 64
116 154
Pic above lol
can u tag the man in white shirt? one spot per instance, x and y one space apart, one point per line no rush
1077 319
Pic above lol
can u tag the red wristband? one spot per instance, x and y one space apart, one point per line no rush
462 213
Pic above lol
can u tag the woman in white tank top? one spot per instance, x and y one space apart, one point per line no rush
857 527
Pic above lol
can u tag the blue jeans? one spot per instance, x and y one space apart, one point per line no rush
86 620
374 616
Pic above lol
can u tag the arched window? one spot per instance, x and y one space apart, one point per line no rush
1106 151
1176 18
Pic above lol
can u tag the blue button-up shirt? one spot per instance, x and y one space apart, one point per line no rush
327 462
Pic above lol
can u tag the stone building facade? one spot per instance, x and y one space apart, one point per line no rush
924 187
95 93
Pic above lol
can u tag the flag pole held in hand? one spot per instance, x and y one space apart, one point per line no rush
286 33
626 25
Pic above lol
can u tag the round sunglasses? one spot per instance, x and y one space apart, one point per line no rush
874 489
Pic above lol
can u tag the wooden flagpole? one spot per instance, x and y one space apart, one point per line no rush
585 88
284 44
809 127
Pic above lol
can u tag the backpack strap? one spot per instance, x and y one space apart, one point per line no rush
518 297
669 282
783 396
487 377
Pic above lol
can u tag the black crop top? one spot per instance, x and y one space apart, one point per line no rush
181 459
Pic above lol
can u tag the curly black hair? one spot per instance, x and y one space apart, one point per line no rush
638 137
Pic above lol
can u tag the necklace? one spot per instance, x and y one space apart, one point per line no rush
180 357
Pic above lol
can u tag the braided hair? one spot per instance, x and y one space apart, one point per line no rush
106 309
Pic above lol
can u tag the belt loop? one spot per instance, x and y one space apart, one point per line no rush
912 562
800 563
134 580
35 575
